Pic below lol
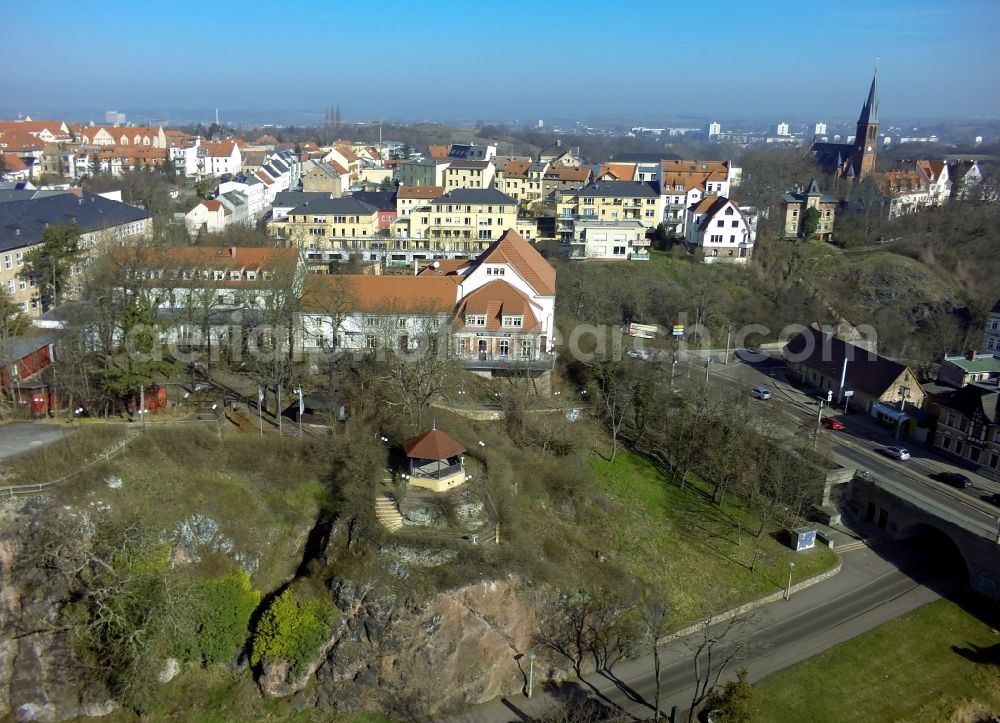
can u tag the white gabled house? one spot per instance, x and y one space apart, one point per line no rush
720 229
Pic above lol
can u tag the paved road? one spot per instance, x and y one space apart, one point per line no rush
19 437
857 445
869 591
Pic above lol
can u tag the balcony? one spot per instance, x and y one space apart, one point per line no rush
486 362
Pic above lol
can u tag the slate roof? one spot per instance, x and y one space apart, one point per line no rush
22 223
382 200
866 371
337 206
971 399
476 195
792 196
620 189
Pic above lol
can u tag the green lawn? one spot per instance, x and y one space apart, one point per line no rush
697 554
938 663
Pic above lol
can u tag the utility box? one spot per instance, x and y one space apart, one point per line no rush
803 538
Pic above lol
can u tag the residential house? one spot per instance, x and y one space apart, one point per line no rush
968 425
564 178
330 229
618 172
895 193
991 342
285 201
219 158
555 154
123 136
326 177
878 386
966 181
969 368
423 172
411 197
347 160
384 201
464 220
23 222
439 152
14 169
494 313
254 191
936 179
195 289
46 131
512 178
609 241
685 183
796 203
215 214
721 230
471 152
608 201
468 174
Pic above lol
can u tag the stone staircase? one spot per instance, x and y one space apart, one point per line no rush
387 512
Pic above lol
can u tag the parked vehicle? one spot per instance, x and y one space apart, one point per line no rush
955 479
760 393
831 423
993 499
896 453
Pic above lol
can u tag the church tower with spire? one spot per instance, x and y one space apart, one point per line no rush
866 138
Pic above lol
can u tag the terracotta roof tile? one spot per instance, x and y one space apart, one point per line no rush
433 444
427 192
403 294
496 300
511 248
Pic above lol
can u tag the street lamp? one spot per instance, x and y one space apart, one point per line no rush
788 587
531 670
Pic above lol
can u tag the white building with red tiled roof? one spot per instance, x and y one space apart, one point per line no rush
720 230
494 314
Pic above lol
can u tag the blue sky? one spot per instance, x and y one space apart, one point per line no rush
504 60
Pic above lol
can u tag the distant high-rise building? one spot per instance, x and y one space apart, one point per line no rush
714 128
783 129
979 139
541 123
821 129
114 118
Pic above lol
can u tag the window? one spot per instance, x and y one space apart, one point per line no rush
220 275
993 324
618 251
736 224
526 348
7 262
729 211
475 319
369 341
22 284
720 223
20 260
401 322
504 347
716 238
513 321
946 442
371 321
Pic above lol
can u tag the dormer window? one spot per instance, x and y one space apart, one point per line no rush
475 319
234 275
220 275
513 322
251 275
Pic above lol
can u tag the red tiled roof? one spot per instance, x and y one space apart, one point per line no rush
517 169
496 300
212 204
512 249
400 294
439 153
444 267
433 444
14 164
621 171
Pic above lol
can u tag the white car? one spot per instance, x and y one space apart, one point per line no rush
760 393
896 453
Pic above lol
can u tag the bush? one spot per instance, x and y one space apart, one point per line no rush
293 630
221 610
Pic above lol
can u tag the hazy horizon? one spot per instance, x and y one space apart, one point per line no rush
460 61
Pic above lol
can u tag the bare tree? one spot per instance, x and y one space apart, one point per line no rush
656 620
713 649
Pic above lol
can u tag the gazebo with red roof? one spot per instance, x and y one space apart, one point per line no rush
436 461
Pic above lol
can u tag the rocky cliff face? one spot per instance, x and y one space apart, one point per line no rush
39 674
457 650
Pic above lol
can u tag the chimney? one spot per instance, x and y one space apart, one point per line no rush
970 354
232 252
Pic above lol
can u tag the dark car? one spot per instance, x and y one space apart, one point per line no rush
955 479
993 499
